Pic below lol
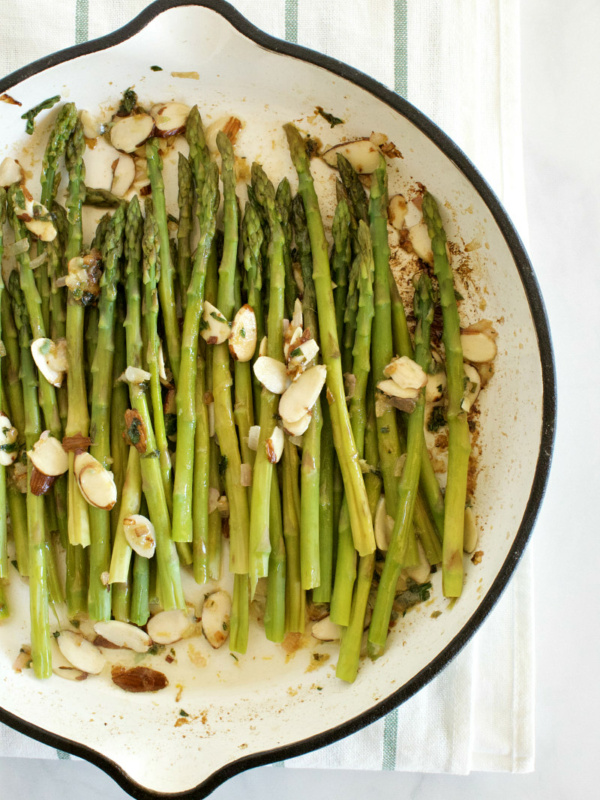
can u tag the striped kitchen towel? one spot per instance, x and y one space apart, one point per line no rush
459 63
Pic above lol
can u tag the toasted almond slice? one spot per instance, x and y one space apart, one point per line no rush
397 211
272 374
10 172
42 228
302 355
44 352
302 394
435 387
214 328
471 534
406 373
123 175
274 445
170 118
297 318
253 437
168 627
414 213
97 485
477 346
216 612
292 340
127 133
242 339
140 535
62 667
135 375
91 127
472 387
48 456
383 525
123 634
262 350
421 243
8 441
80 653
421 572
392 389
229 125
299 427
326 631
361 153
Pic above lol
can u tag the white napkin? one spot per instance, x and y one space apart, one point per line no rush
459 62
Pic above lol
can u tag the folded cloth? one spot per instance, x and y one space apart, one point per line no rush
458 62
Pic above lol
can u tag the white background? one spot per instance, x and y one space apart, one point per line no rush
561 124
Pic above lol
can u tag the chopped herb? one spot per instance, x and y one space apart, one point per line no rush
437 419
414 594
385 429
75 623
296 352
203 324
128 103
436 614
458 295
155 68
319 688
331 119
233 655
15 565
172 218
218 317
10 447
45 348
56 634
242 333
172 651
225 627
134 431
33 112
223 465
183 713
313 147
154 650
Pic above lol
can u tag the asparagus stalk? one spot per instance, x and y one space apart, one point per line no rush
186 387
396 556
101 198
243 412
294 593
355 191
283 204
185 200
341 257
38 567
310 470
130 502
260 544
11 366
166 289
362 525
66 121
252 239
99 600
322 592
276 592
201 517
459 442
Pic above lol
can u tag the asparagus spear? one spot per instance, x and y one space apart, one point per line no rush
166 289
275 610
260 544
396 556
341 256
101 198
252 239
200 515
11 365
283 204
310 470
322 592
102 378
129 503
294 593
38 567
362 525
186 388
66 121
244 407
185 199
355 192
459 442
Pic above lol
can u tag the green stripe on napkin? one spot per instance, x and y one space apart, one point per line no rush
81 21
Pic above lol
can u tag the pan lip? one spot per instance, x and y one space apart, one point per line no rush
547 434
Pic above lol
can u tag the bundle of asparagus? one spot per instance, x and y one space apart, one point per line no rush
143 461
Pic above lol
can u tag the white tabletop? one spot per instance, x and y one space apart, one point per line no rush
561 119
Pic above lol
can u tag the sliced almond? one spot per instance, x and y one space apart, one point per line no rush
414 213
292 338
123 175
406 373
230 126
436 385
216 613
253 437
397 211
263 350
472 387
10 172
214 328
91 127
297 318
302 394
242 339
42 228
44 352
391 389
39 483
135 375
62 667
138 679
140 535
478 347
9 435
97 485
383 525
48 455
362 154
170 118
300 357
274 445
80 653
168 627
421 243
272 374
127 133
299 427
421 572
123 634
471 534
326 631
